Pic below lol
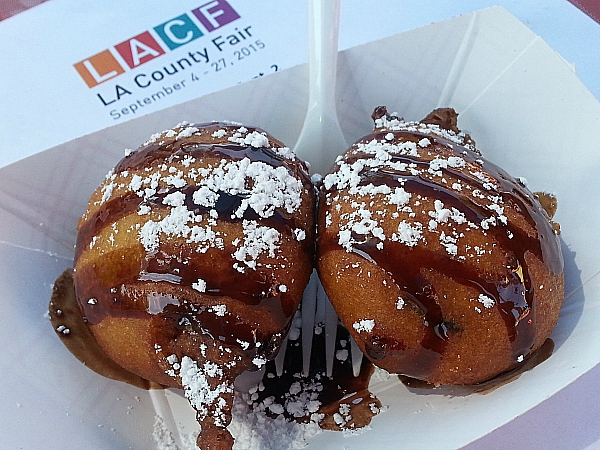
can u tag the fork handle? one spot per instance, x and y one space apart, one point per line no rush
324 20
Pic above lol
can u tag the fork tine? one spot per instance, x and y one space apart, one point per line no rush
357 357
331 323
163 410
316 307
280 358
321 309
309 306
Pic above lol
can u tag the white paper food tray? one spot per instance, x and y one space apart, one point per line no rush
518 99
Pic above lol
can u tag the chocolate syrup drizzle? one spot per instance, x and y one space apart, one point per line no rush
513 295
157 153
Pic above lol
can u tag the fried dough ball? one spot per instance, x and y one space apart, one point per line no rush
192 258
442 266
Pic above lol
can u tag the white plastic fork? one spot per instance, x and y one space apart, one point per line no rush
320 140
321 137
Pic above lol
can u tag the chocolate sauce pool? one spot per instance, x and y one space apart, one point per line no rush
343 393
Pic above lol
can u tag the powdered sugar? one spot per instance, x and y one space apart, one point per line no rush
218 310
199 285
364 325
408 233
174 224
397 124
253 429
257 240
486 301
254 139
204 384
163 436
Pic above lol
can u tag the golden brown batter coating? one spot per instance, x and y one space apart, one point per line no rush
442 266
192 258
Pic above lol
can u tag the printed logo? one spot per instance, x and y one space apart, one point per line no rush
99 68
178 31
147 46
215 14
139 49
